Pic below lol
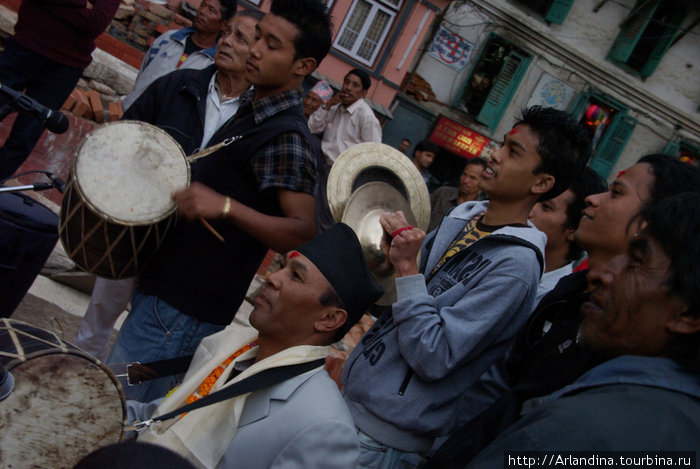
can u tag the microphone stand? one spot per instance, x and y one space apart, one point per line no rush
56 183
42 186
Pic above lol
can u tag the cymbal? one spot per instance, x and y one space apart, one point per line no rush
371 161
362 213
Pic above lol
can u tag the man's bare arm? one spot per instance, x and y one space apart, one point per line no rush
280 234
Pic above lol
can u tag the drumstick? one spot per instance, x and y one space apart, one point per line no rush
211 229
212 149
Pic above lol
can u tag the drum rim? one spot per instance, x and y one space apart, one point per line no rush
75 183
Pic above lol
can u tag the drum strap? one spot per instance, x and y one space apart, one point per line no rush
264 379
137 373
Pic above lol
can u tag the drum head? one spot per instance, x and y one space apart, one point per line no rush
63 407
127 171
64 403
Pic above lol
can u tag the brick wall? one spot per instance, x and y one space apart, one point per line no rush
138 22
52 153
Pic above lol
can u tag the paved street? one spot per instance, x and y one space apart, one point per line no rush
57 307
54 306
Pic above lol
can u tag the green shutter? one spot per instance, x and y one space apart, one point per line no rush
664 44
576 109
614 141
633 29
558 10
503 88
672 148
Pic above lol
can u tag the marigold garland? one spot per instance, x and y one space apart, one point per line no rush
208 383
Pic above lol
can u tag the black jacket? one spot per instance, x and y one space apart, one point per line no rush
177 104
193 271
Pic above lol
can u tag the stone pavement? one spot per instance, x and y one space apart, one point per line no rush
56 307
59 308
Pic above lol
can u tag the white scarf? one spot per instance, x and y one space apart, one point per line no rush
203 435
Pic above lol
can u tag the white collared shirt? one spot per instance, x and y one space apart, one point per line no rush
344 127
550 279
217 111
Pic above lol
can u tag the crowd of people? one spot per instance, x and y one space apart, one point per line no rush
501 339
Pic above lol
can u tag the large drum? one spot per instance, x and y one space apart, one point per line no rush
117 206
64 405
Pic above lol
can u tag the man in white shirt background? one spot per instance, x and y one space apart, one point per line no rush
346 119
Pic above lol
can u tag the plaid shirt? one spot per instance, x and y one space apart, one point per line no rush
287 161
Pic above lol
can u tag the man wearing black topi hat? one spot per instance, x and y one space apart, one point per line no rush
301 421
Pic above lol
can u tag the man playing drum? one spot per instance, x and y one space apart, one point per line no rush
220 92
257 191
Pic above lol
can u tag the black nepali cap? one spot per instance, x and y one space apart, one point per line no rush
337 253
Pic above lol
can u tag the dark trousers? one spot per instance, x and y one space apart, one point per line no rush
48 82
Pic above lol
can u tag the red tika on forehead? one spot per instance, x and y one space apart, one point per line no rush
513 131
621 173
293 254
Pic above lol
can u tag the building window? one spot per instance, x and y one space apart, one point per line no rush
608 125
364 30
554 11
646 34
685 151
493 81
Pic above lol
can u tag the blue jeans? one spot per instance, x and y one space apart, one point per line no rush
375 455
48 82
153 331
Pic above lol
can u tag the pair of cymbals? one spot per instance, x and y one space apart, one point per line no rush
366 181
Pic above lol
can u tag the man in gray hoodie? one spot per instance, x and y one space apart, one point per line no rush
458 311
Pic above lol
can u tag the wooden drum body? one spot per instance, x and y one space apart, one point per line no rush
64 405
117 206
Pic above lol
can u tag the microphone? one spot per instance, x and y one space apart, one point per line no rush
58 183
55 121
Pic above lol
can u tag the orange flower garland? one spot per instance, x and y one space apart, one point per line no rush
208 383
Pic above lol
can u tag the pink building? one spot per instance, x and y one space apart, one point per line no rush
382 37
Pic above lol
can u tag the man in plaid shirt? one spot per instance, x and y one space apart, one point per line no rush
257 192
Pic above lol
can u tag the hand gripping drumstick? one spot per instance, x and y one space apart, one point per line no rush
202 154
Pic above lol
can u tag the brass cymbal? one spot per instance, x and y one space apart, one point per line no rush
367 162
362 213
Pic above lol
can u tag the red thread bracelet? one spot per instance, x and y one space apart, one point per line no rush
401 230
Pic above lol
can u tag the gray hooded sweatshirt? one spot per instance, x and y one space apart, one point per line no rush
404 380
